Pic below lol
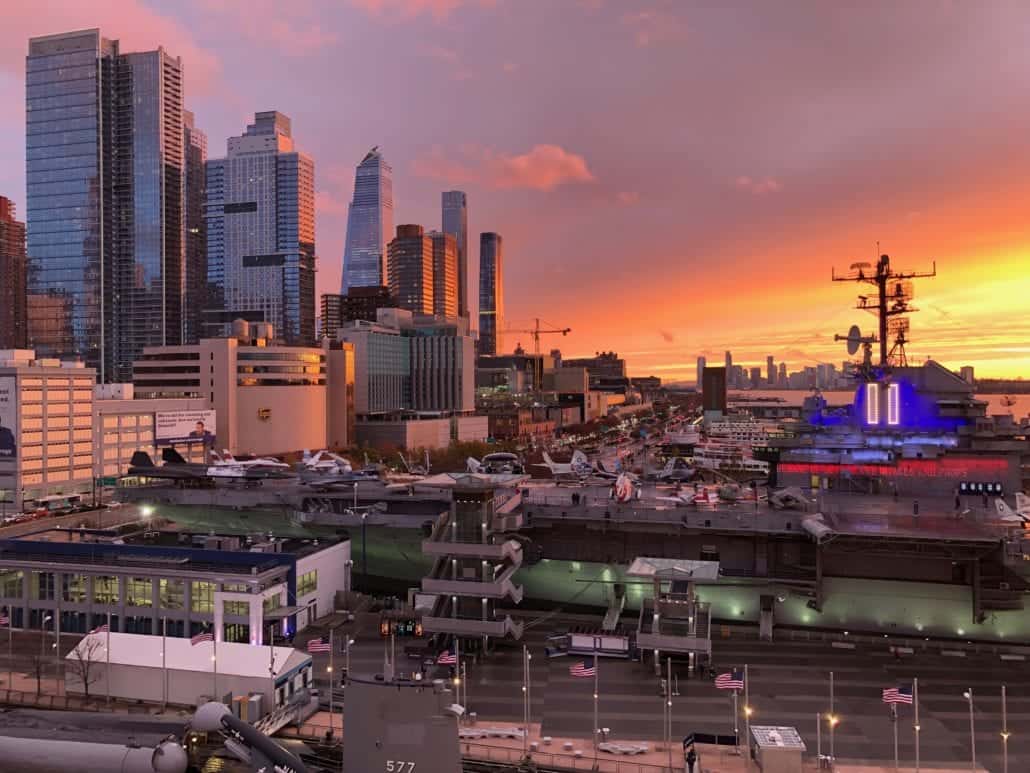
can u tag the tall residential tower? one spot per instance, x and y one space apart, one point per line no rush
369 224
195 148
12 278
105 177
454 205
261 233
491 293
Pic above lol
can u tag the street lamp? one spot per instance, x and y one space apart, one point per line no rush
968 695
346 652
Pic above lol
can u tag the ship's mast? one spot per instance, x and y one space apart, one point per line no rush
893 301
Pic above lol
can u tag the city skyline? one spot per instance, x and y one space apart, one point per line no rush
771 159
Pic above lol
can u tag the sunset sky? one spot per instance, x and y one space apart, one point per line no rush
671 178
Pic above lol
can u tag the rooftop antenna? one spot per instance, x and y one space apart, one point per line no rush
892 303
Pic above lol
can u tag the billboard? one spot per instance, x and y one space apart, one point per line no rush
8 418
185 427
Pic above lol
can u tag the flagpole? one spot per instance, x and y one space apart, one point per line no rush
668 700
107 670
164 663
10 648
525 699
736 726
214 661
271 670
915 698
330 681
747 718
1004 732
832 720
597 728
894 720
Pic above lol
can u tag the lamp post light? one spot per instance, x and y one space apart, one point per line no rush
968 695
1004 731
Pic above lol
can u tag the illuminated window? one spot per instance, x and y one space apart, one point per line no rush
894 404
11 581
202 596
43 586
172 593
872 403
307 583
236 608
105 590
139 592
272 603
74 588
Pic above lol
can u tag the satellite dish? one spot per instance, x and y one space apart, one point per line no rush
854 340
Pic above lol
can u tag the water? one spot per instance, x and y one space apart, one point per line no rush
796 396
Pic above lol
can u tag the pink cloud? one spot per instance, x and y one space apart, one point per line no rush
406 9
758 187
138 27
327 204
543 168
294 33
509 67
627 198
652 26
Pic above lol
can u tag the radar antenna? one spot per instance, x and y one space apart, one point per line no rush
893 301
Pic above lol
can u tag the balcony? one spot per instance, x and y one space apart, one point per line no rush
460 626
507 550
500 588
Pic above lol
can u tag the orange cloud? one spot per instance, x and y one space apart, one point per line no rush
327 204
627 198
543 168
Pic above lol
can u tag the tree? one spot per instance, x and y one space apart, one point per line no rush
84 662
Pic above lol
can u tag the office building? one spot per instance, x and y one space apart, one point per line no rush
445 275
755 377
240 590
46 440
411 279
261 233
700 372
369 224
454 206
607 371
770 369
359 303
267 398
713 391
105 174
782 380
194 144
491 293
412 362
12 278
967 374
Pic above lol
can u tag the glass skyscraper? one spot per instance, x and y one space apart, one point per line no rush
369 224
195 149
260 215
104 173
491 293
454 206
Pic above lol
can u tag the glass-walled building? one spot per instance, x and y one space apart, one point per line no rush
104 176
455 220
260 217
369 224
491 293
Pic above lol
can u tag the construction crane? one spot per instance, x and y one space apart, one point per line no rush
536 331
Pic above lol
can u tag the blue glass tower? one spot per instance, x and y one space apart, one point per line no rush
260 213
104 169
369 224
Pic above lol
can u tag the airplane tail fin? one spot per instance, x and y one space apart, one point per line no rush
578 457
141 459
171 456
548 460
1005 512
1022 503
227 456
472 464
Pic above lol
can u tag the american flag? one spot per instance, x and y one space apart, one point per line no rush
4 619
899 694
319 645
202 637
731 680
99 629
447 659
582 669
